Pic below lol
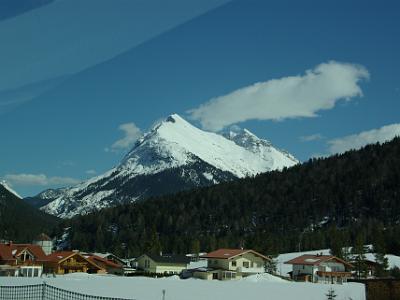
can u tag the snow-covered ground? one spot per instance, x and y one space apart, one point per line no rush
141 288
283 269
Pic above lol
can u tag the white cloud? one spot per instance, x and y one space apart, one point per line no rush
311 138
287 97
38 180
357 141
91 172
131 134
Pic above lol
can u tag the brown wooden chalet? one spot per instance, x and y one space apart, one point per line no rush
109 266
64 262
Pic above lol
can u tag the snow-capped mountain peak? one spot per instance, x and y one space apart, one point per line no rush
174 155
8 188
176 142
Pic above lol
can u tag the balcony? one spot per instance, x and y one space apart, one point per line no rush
74 265
332 274
250 270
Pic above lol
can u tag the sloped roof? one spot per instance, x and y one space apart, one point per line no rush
108 256
6 253
170 259
315 260
230 253
36 250
60 256
95 258
11 251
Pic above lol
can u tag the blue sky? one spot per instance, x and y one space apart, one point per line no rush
327 74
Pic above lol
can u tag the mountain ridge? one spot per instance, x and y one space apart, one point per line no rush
173 147
20 221
329 202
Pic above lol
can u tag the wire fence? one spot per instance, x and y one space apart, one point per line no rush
44 291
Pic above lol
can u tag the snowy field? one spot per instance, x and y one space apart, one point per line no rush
255 287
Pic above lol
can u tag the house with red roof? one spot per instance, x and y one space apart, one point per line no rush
65 262
228 264
21 260
320 268
110 267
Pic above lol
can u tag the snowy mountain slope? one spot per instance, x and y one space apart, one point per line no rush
173 156
18 220
8 188
262 148
45 197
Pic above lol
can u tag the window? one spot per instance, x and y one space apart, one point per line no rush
245 264
234 264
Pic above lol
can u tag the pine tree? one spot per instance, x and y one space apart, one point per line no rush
336 243
195 248
271 265
359 257
152 245
381 260
331 295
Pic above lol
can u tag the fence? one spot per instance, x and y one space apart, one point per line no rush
44 291
381 288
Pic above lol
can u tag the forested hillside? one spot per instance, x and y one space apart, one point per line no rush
19 221
321 203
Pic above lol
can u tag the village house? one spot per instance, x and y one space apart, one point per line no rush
21 260
320 269
65 262
109 266
162 264
111 257
228 264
